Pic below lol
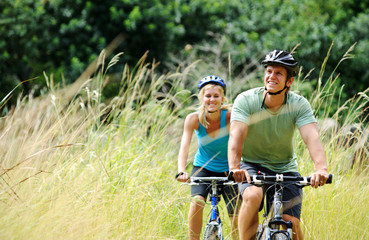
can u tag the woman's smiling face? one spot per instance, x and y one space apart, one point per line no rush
212 98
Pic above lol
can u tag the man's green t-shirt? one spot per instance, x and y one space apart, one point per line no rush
269 140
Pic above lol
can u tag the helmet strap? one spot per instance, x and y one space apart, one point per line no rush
272 93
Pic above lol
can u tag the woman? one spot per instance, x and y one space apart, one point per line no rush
211 125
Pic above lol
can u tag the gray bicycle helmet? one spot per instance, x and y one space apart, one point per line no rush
212 79
282 58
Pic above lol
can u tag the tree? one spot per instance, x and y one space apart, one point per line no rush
64 36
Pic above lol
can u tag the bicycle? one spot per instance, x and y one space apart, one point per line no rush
271 227
213 229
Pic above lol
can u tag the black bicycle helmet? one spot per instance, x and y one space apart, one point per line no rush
212 79
282 58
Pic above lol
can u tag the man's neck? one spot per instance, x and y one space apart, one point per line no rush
274 102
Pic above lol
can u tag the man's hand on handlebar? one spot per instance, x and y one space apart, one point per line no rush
240 175
319 178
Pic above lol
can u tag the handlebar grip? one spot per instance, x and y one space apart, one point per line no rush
330 179
230 176
179 174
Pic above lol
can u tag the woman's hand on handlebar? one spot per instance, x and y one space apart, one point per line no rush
240 175
182 177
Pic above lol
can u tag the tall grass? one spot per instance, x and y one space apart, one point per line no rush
74 167
337 211
87 170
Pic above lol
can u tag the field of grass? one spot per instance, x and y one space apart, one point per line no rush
76 167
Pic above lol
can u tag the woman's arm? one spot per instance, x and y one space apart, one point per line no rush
191 123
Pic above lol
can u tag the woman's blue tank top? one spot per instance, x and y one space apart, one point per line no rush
212 152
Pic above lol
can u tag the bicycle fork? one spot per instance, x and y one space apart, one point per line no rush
214 204
277 220
214 229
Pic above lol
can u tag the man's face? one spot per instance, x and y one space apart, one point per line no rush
275 78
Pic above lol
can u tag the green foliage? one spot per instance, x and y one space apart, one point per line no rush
66 36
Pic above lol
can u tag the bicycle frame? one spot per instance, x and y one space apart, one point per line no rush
274 219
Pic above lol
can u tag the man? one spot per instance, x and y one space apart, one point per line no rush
261 139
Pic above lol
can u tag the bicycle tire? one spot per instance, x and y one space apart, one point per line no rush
260 233
284 234
213 231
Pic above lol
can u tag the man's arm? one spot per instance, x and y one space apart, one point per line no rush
310 135
237 135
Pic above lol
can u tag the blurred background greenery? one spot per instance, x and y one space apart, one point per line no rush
93 96
62 38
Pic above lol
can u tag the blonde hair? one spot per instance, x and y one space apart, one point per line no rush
202 110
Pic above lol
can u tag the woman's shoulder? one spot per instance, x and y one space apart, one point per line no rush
193 116
193 120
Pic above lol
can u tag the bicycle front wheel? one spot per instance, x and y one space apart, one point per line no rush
260 234
213 231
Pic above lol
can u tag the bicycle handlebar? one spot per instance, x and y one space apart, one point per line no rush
208 180
261 179
304 181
